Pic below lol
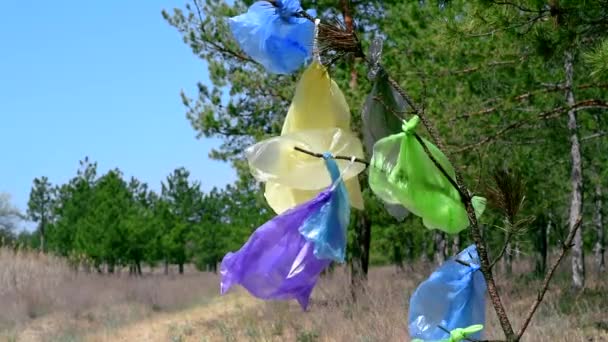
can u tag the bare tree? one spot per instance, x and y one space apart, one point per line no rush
599 247
576 178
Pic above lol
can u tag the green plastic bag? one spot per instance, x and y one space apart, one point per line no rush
401 173
457 335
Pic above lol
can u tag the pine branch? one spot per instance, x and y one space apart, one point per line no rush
219 48
525 96
503 250
554 113
519 7
469 70
531 22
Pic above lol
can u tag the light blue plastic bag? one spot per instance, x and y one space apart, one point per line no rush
327 227
273 36
452 297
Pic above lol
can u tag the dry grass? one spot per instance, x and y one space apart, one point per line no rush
42 299
382 316
45 290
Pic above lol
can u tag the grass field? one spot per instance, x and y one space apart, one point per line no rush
43 299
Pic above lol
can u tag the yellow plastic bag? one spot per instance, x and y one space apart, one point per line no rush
318 103
276 160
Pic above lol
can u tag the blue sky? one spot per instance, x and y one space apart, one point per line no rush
100 79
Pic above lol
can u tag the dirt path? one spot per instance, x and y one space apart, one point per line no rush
188 325
199 324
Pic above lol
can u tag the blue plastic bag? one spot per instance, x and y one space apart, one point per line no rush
452 297
327 227
272 36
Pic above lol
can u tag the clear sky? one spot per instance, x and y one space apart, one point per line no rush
98 79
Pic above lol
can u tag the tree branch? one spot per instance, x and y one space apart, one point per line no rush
541 293
532 21
525 96
320 155
219 48
585 104
519 7
447 72
503 250
594 135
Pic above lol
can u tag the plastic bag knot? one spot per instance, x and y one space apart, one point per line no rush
287 8
458 335
410 126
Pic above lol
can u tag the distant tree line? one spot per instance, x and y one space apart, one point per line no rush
102 222
107 221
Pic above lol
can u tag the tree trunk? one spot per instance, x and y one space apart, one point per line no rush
425 248
138 267
508 259
42 233
409 245
360 261
456 244
398 257
181 268
440 247
541 242
599 247
576 200
166 272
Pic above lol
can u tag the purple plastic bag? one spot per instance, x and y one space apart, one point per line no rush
277 262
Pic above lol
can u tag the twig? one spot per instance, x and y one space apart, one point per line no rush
462 262
503 250
594 135
320 155
565 248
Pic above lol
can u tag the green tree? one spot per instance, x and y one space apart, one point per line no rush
184 201
139 226
71 206
39 206
103 235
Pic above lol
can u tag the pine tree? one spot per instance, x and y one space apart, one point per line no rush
39 206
